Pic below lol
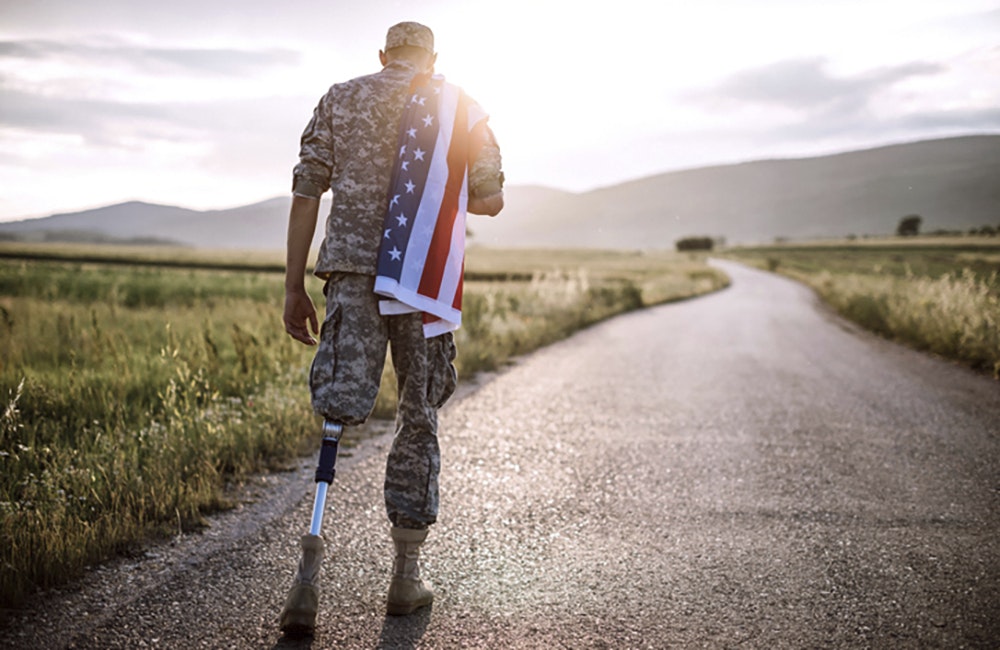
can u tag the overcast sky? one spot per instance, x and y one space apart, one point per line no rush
201 103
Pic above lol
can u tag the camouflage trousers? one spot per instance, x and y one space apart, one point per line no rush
344 381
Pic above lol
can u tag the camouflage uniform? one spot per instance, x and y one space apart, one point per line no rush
349 146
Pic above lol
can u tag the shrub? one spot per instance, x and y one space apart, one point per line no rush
909 226
694 244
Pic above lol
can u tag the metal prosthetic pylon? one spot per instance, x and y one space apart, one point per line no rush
298 617
325 471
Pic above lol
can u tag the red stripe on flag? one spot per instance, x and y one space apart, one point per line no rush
437 254
457 303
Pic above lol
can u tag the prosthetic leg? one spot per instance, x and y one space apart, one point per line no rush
298 617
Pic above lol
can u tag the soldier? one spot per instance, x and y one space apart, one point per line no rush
351 146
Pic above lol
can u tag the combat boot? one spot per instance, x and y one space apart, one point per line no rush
298 617
407 592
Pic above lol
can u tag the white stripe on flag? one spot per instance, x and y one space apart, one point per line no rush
394 308
386 286
439 327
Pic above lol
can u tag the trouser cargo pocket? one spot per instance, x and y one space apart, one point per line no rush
324 366
442 377
346 372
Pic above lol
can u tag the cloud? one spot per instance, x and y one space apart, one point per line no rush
122 124
804 85
83 92
913 125
97 121
971 120
970 24
162 60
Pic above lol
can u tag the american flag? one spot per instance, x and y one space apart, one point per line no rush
422 254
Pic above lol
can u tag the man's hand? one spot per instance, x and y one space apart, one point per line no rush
489 205
300 317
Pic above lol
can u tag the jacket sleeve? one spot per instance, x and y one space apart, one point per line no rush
485 168
311 176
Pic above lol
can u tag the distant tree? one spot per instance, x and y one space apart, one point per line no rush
909 226
694 244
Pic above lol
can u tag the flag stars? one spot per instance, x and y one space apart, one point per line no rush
412 139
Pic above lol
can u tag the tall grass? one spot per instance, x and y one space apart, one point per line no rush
503 319
954 315
940 298
131 395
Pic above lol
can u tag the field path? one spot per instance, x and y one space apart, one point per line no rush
744 469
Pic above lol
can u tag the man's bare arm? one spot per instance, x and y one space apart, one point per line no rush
300 313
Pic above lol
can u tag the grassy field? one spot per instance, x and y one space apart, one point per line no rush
939 295
137 383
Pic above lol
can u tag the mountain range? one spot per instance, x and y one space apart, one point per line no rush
953 183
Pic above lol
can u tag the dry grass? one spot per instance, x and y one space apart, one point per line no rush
935 295
131 394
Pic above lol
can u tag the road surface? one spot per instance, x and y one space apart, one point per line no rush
744 469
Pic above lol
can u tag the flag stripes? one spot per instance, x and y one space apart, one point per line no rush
422 256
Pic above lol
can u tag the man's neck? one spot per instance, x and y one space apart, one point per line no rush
403 64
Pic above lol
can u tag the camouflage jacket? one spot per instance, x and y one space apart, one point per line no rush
349 146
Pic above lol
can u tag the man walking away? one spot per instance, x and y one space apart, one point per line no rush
406 155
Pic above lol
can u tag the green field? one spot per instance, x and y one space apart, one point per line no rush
938 295
138 383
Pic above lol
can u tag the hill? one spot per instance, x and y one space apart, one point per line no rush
954 183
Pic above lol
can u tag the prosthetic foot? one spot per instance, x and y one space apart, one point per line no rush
298 617
407 592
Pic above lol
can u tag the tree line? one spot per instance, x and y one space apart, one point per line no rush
909 226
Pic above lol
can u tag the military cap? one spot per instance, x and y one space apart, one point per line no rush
410 33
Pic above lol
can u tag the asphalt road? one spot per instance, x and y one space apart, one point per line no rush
744 469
